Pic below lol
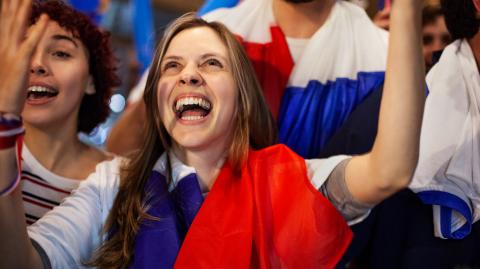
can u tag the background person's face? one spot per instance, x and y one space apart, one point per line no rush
59 78
435 38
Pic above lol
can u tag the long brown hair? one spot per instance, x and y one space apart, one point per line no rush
254 127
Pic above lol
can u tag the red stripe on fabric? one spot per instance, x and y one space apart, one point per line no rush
7 142
273 65
28 200
45 185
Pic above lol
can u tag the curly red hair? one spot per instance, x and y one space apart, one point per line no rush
94 108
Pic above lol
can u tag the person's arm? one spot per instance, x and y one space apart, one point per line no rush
389 166
125 135
16 49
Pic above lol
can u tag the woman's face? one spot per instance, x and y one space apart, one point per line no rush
196 91
59 78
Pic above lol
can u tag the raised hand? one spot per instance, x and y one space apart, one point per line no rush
17 45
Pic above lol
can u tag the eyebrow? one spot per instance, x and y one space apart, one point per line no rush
173 57
64 37
204 56
207 55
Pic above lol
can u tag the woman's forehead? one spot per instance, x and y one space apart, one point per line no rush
198 40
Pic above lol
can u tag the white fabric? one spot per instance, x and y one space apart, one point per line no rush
449 163
296 46
136 93
71 232
318 170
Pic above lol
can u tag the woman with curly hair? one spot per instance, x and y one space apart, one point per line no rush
69 84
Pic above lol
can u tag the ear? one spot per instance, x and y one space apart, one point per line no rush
476 3
90 90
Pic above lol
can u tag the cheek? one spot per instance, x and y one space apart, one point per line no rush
164 91
72 77
232 95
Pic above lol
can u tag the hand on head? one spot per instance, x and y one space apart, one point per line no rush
17 45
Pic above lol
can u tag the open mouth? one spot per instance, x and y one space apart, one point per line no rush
40 92
192 108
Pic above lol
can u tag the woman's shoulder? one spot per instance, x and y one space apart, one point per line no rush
95 157
107 173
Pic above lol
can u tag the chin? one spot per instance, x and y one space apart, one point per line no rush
191 142
34 118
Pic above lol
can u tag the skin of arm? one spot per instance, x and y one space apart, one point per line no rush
390 165
16 49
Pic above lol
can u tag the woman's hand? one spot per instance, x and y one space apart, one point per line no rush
17 46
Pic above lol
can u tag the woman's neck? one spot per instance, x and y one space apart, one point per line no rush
60 151
301 20
207 162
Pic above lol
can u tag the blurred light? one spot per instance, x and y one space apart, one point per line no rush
117 103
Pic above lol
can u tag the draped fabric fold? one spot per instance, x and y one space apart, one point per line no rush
269 217
448 171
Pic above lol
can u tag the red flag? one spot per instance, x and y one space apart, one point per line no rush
269 217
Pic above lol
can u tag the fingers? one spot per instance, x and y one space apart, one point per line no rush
34 34
5 19
14 20
21 20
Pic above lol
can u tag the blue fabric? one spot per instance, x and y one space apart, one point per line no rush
158 241
449 202
85 5
88 7
380 5
310 116
210 5
144 33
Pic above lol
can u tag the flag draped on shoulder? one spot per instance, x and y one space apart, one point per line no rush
269 217
342 63
448 171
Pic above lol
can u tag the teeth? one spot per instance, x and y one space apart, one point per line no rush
192 118
40 89
192 101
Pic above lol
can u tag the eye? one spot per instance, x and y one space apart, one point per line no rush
170 65
213 62
61 54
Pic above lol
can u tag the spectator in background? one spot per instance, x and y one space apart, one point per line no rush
434 30
437 226
448 173
435 33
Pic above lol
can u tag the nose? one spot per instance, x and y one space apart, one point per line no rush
438 45
38 66
38 70
190 77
